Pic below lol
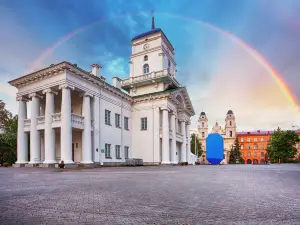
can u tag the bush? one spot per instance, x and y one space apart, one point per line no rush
186 163
197 163
182 163
6 164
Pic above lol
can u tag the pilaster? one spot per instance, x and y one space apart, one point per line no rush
173 143
165 137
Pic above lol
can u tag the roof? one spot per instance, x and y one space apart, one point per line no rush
259 132
202 114
230 111
147 33
157 30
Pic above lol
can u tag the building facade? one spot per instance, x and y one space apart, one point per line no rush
228 133
253 146
78 117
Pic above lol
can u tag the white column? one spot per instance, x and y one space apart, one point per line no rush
22 142
87 132
66 125
49 136
173 143
188 144
165 137
183 146
35 137
42 147
96 133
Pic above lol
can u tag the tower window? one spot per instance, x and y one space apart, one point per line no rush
202 134
145 58
230 133
202 124
146 68
169 63
230 123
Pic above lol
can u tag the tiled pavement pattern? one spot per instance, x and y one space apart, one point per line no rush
227 194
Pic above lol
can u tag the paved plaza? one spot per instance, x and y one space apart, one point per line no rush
227 194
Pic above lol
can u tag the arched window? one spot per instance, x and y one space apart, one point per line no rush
242 147
262 147
230 133
169 63
146 68
255 146
203 134
262 154
230 123
145 58
249 154
202 124
249 147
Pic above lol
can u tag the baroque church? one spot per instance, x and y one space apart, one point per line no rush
78 117
228 133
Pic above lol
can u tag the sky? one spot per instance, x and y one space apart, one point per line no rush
218 71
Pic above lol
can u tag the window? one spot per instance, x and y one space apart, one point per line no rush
230 133
255 146
146 68
242 154
242 147
202 124
230 123
249 154
223 156
107 151
242 139
126 151
255 139
107 117
144 123
118 154
126 127
145 58
117 120
297 145
249 147
248 139
255 154
169 63
202 134
262 147
262 154
262 139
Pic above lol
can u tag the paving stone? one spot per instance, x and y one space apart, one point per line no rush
229 194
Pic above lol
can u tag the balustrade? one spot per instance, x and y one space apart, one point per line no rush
41 120
56 117
27 122
77 119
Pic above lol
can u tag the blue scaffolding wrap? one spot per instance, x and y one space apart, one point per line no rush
214 148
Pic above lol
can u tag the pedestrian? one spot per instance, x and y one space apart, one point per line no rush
62 164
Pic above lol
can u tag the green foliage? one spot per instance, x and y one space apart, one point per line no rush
8 139
235 154
281 145
4 115
198 148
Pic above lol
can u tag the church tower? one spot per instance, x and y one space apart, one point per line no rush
152 63
230 127
203 126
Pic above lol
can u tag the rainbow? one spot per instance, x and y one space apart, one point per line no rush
255 54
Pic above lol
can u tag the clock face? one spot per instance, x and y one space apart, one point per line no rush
146 46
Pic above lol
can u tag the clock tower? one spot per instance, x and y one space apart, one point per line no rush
152 60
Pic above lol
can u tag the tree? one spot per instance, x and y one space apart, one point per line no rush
235 154
8 137
198 145
281 145
4 115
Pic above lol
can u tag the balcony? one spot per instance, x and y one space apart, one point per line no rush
179 137
149 78
27 123
41 123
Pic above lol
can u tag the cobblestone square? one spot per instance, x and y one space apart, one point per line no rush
227 194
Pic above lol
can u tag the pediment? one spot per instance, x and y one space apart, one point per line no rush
181 98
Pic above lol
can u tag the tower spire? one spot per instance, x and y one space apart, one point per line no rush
153 23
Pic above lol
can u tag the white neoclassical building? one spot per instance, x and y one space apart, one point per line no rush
77 117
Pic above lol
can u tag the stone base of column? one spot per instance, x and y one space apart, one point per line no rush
50 162
18 165
21 162
46 165
165 163
174 162
35 162
32 165
87 162
68 162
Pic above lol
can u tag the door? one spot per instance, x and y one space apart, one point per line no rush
73 152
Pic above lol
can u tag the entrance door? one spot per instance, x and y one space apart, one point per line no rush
73 152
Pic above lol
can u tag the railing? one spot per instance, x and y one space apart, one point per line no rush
77 119
148 76
56 117
27 122
41 120
179 135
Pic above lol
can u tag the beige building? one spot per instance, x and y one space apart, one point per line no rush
228 133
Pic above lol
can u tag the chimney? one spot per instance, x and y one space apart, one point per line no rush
116 82
96 70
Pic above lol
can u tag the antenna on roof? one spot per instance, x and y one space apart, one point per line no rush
153 23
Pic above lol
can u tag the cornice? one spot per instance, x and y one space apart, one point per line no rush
22 98
146 52
35 95
49 90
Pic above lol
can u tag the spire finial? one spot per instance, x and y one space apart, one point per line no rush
153 23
